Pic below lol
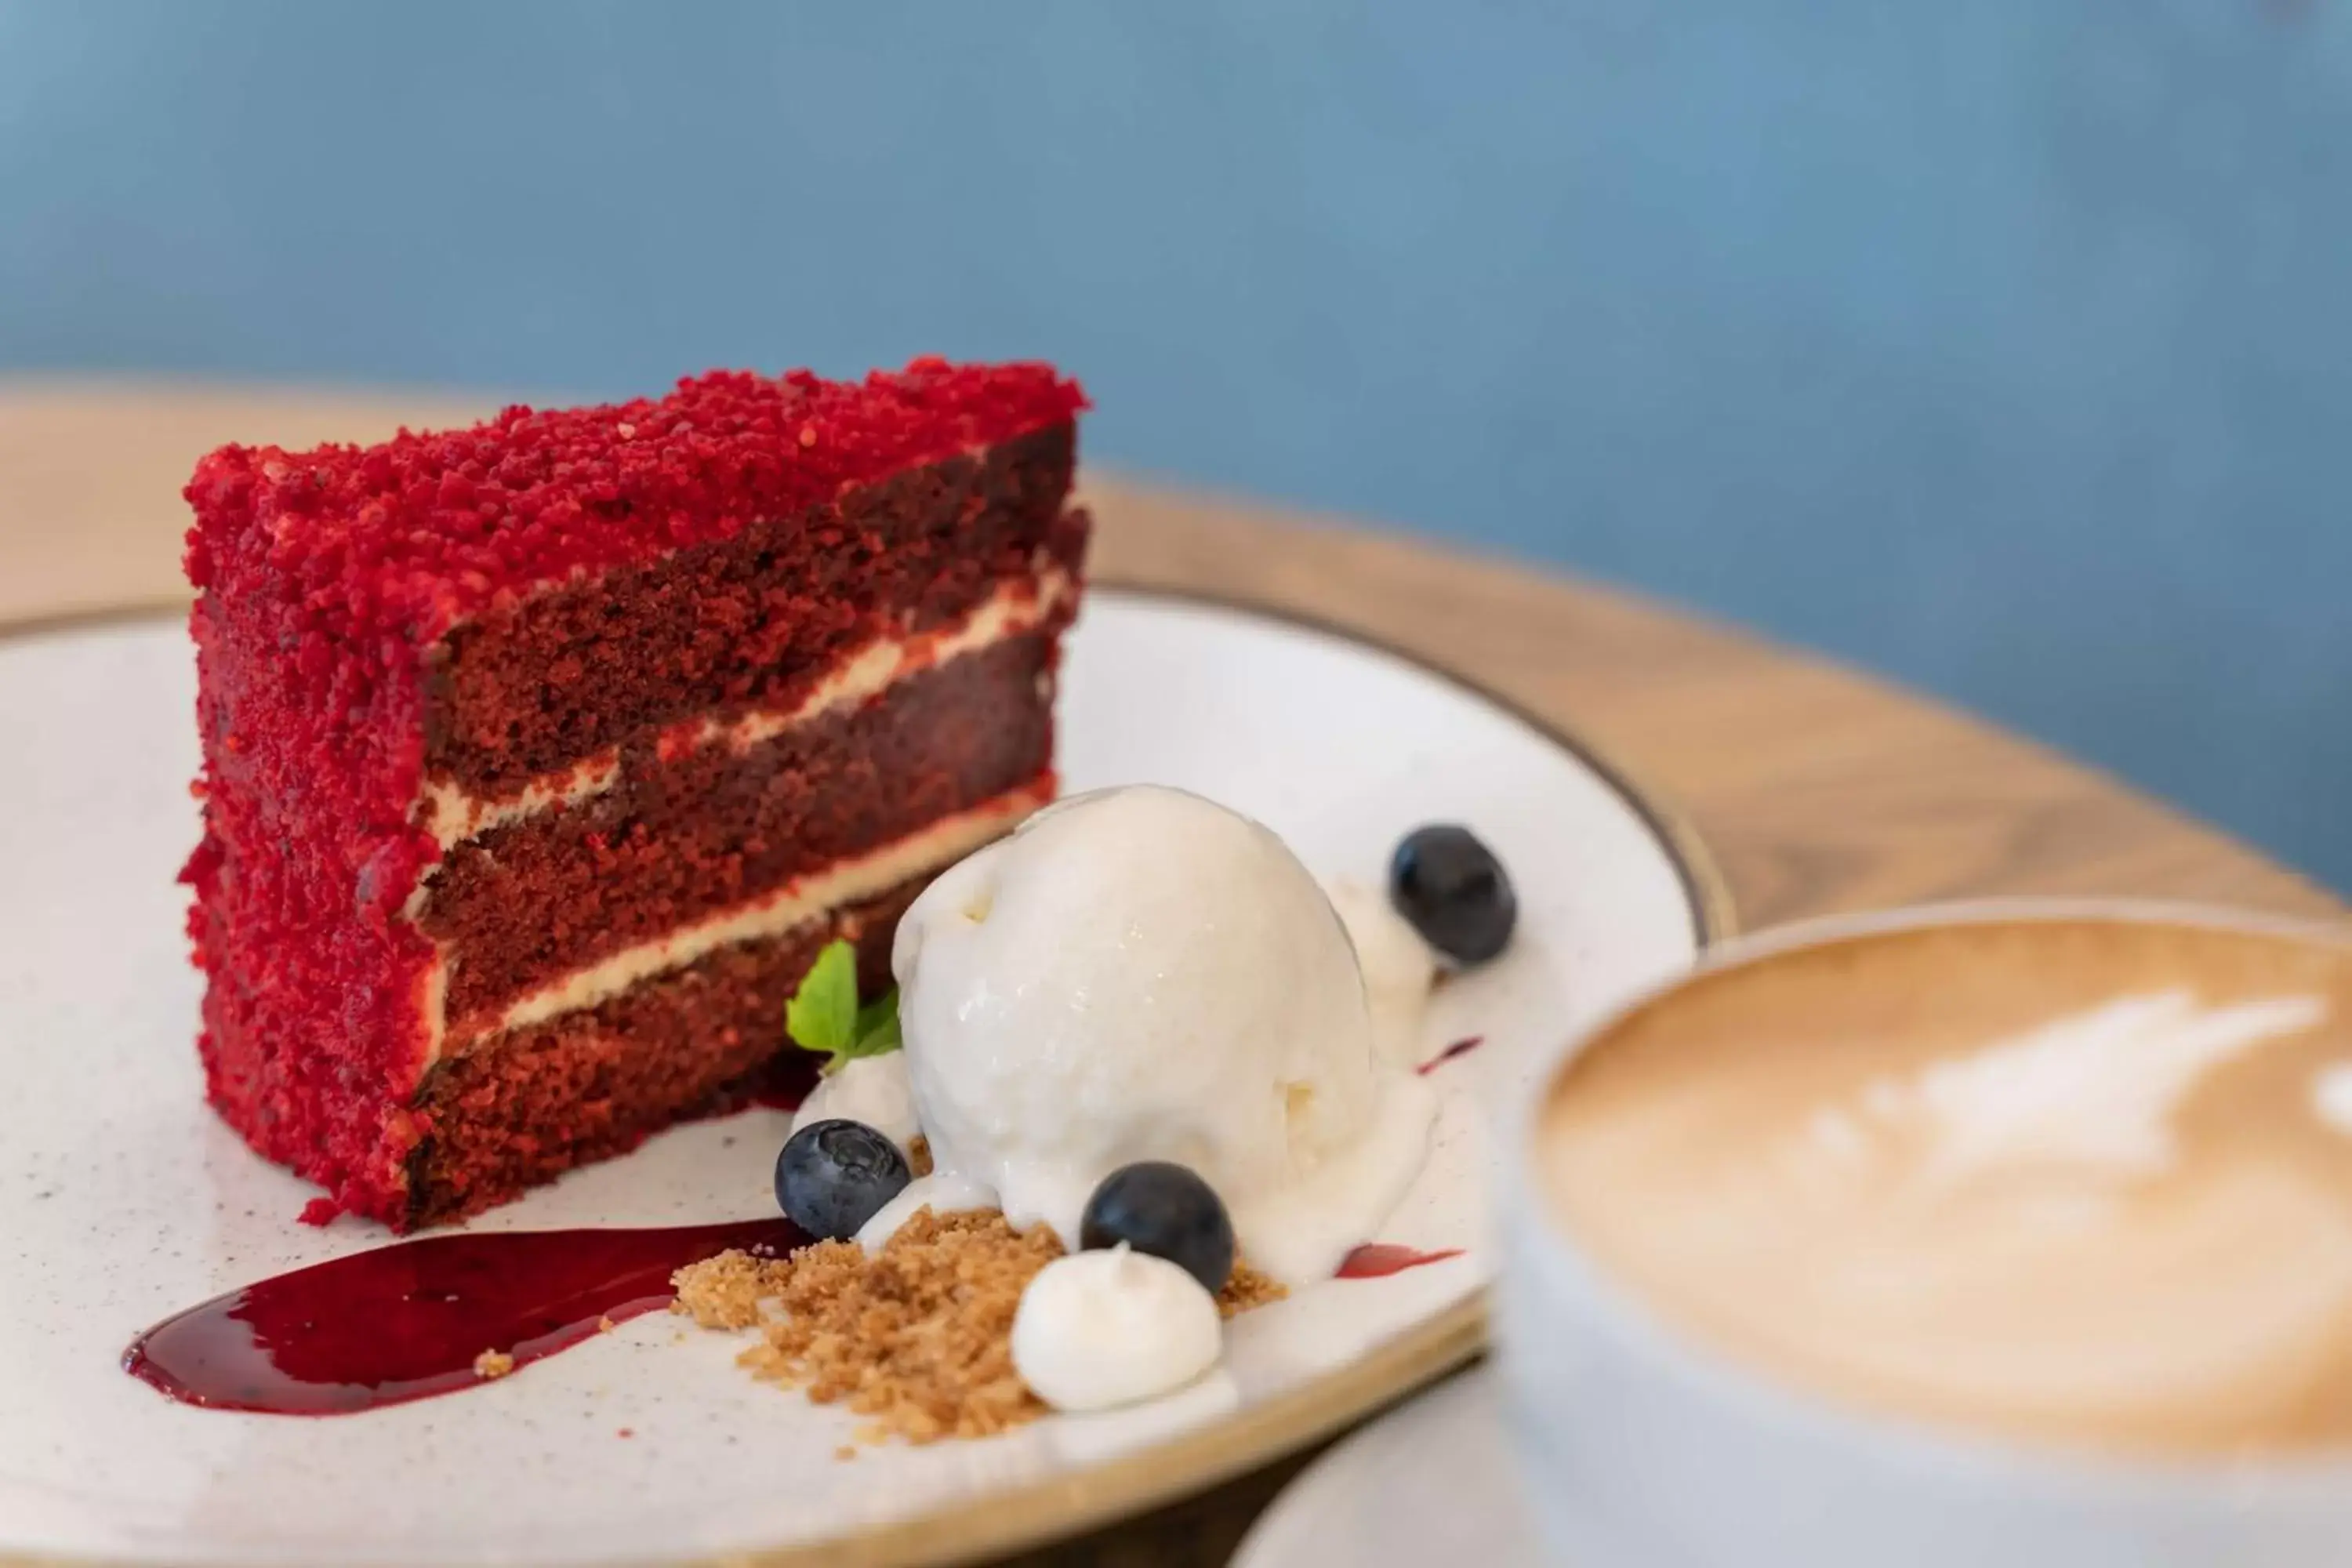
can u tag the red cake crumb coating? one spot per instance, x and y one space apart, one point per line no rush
326 578
408 538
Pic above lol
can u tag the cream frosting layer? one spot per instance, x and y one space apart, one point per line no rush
452 815
803 898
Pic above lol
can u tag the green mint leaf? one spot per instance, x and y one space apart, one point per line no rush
878 1015
877 1027
877 1034
823 1014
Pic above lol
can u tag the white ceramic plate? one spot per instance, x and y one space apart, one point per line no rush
122 1199
1433 1482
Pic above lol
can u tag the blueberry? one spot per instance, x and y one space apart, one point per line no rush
1451 890
832 1176
1163 1210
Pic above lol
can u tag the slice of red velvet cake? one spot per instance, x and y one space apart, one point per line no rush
541 758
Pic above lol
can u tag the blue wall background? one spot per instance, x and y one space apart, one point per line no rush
2004 346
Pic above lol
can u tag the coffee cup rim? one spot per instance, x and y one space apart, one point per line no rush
1901 1437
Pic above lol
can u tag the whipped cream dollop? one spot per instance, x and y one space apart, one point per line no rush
1097 1330
1399 968
1140 974
872 1089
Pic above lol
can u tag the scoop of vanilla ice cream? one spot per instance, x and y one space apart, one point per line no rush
1140 974
1399 968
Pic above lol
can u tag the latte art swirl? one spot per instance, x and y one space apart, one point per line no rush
2069 1183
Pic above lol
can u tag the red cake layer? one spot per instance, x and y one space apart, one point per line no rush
675 841
745 622
598 1083
334 585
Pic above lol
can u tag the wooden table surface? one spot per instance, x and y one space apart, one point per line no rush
1816 788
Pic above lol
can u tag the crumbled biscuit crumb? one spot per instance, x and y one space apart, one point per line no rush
606 1325
1246 1289
493 1363
918 1156
724 1292
847 1451
919 1337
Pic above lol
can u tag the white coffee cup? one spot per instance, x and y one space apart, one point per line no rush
1643 1448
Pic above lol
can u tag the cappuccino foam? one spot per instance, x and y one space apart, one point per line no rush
2081 1179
